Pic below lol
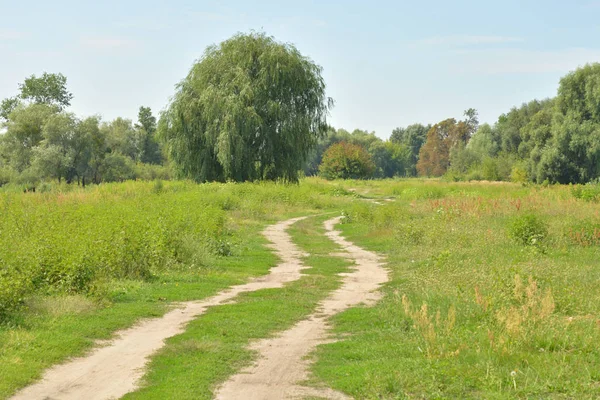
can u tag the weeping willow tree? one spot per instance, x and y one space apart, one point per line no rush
250 109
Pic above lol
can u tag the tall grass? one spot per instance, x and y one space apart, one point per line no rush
493 294
71 241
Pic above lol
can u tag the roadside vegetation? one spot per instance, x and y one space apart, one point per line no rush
78 265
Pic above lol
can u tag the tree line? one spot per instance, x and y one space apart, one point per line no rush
415 150
43 141
252 108
554 140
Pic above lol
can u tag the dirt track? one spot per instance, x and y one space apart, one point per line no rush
112 371
282 365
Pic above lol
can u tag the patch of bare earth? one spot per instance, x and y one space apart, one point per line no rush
283 364
111 371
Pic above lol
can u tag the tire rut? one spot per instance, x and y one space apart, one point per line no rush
282 363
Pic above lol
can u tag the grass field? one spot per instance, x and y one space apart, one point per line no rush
493 290
493 295
77 266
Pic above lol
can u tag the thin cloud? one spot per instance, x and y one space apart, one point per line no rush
211 16
107 43
301 22
144 23
12 35
467 40
519 61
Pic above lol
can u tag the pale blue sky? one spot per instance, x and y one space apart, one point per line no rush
386 63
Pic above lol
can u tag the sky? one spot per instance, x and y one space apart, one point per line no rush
386 63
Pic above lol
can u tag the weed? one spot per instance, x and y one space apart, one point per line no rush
585 234
528 230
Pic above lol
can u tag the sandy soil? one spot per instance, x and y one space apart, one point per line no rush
282 365
113 370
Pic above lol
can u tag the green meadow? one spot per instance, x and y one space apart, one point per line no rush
492 292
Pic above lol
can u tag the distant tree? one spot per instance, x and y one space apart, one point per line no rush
315 156
572 154
98 148
472 120
50 89
463 158
251 108
346 161
54 155
434 157
485 141
413 137
82 150
24 131
121 137
391 159
7 106
459 134
146 120
150 149
509 125
50 162
360 137
117 168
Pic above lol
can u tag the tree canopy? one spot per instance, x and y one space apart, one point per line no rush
42 141
552 140
48 89
250 108
442 138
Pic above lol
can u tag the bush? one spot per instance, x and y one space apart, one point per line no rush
528 230
489 169
72 242
150 172
589 192
346 161
117 168
6 175
518 175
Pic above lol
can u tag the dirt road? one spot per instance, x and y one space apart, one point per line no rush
112 371
282 365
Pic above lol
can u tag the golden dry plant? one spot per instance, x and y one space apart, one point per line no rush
430 325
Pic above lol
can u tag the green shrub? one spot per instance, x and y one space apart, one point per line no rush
489 170
346 161
518 175
14 286
528 230
589 192
6 175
